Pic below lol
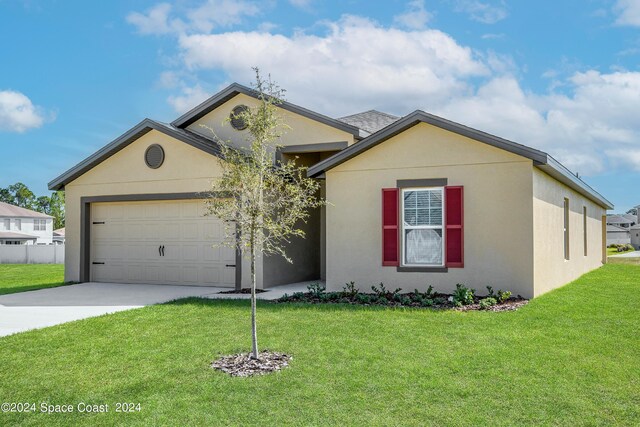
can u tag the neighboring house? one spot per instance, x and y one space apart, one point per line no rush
20 226
414 201
632 218
618 235
622 221
634 233
58 236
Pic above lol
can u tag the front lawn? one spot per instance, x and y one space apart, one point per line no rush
27 277
567 358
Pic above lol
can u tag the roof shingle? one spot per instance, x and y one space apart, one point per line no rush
12 211
370 121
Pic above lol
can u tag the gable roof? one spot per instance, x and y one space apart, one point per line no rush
630 217
16 236
615 228
8 210
370 121
234 89
617 219
540 159
142 128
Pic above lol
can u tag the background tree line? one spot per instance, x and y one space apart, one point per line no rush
19 194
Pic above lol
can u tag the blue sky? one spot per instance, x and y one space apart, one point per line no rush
561 76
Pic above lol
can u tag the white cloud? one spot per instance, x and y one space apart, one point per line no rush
189 98
483 12
587 130
301 4
356 64
156 20
221 13
18 114
416 16
628 12
204 18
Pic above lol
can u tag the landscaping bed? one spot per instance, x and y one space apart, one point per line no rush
463 299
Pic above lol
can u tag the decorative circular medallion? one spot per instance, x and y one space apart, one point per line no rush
154 156
238 122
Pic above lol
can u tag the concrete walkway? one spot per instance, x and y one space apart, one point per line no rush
634 254
24 311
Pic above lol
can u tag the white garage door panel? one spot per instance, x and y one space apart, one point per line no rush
126 237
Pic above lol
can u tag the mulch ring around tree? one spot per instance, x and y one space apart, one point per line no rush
242 365
511 304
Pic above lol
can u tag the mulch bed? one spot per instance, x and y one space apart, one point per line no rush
509 305
242 291
242 365
440 301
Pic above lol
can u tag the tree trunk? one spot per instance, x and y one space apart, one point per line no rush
254 333
238 256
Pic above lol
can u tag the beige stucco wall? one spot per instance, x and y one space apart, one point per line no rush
185 169
498 212
551 269
302 130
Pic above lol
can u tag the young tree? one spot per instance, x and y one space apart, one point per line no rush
261 202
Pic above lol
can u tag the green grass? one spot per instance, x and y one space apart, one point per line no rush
568 358
614 251
27 277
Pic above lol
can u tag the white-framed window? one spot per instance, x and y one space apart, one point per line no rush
7 224
422 226
39 225
18 224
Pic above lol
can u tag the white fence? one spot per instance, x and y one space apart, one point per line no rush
31 254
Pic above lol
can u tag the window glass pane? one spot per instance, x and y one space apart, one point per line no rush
423 246
435 216
423 207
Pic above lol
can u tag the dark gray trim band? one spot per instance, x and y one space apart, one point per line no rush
85 224
431 182
234 89
422 269
195 140
314 148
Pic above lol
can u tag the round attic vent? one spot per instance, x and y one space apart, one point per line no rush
154 156
238 122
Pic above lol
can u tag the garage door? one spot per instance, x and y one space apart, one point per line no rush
159 242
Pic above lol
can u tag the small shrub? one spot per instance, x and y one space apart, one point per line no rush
297 295
323 297
427 302
381 291
485 303
429 294
350 290
439 301
503 296
463 295
404 300
316 289
382 300
490 293
363 299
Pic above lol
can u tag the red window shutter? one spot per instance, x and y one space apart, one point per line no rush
390 227
454 223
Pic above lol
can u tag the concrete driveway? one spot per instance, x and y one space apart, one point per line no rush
47 307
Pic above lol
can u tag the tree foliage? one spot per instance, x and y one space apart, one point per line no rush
19 194
262 202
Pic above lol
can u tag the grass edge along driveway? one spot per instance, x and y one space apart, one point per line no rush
567 358
28 277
